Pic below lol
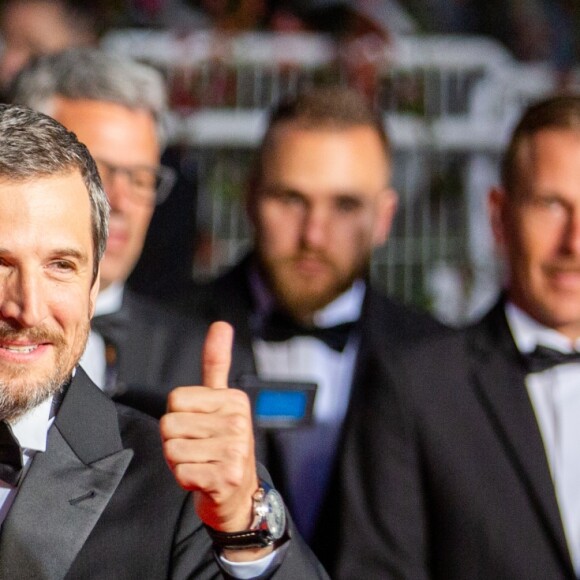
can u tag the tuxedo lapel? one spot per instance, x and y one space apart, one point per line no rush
499 378
66 488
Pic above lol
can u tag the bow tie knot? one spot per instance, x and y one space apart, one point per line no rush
544 358
279 327
10 456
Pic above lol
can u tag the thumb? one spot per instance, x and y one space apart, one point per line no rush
217 355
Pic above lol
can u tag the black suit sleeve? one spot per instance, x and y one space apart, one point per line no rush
384 529
191 540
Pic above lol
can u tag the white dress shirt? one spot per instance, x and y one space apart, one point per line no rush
308 452
30 431
555 396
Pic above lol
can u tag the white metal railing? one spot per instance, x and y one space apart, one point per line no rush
449 105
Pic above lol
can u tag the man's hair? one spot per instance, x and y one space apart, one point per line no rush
33 145
559 112
330 108
91 73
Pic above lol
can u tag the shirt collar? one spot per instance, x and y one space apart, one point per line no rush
31 429
528 332
110 299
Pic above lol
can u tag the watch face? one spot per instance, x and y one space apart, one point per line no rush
276 514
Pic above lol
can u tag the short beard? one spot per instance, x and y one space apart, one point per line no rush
15 401
302 302
14 405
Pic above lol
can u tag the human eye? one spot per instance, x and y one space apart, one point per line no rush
549 203
291 198
63 265
347 204
286 197
144 179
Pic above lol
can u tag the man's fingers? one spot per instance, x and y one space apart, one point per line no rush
217 355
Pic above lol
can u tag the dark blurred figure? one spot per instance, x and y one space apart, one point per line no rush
533 30
29 28
467 463
165 267
301 302
138 350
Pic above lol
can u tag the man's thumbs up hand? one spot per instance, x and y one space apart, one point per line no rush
208 439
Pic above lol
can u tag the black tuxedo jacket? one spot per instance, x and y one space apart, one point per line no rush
383 325
447 477
158 349
101 503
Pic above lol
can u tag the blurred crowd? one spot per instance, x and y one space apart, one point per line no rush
402 448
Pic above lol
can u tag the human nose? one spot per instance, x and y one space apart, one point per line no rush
315 227
23 299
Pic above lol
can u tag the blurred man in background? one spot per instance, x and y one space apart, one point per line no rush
301 301
116 107
467 463
30 28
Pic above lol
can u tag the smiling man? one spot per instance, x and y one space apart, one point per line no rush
138 349
301 302
48 290
467 463
73 464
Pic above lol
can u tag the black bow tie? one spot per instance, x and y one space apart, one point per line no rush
544 358
10 456
279 327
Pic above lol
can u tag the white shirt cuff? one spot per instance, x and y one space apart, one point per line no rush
256 568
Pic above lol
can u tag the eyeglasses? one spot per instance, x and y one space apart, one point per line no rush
149 185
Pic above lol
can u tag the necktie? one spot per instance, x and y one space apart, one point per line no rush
110 327
10 456
279 327
544 358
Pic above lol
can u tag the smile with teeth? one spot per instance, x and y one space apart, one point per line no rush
24 349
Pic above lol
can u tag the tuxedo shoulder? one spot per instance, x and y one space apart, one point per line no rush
139 431
436 363
399 319
144 309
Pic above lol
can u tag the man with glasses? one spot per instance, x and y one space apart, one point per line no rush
116 107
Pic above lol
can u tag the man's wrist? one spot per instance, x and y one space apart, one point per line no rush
269 525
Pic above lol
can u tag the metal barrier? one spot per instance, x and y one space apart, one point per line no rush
449 104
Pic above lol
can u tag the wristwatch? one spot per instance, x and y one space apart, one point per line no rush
268 525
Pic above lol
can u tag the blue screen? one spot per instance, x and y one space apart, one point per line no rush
281 405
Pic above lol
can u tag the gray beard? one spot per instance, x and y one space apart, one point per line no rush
14 405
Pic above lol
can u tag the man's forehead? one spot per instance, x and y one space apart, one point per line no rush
110 128
61 191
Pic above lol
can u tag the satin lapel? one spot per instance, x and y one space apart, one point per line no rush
66 489
499 378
